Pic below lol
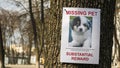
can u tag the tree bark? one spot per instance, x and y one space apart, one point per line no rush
106 35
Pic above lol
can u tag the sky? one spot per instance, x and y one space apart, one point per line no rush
7 5
10 5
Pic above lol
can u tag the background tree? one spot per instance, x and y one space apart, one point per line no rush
1 50
35 34
7 28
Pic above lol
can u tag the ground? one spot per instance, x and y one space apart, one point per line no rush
33 66
21 66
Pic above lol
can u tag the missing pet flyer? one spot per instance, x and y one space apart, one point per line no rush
80 38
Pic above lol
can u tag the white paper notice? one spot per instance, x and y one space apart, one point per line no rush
80 35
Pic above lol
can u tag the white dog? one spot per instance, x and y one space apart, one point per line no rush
81 32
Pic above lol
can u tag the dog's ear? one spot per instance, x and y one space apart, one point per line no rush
89 20
71 24
74 21
90 23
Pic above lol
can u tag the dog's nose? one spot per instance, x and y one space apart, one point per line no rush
80 29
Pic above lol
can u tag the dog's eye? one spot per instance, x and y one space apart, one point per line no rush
85 25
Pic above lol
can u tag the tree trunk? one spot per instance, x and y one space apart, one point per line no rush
29 50
35 34
106 35
1 50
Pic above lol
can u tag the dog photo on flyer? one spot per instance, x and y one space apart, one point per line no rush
80 31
